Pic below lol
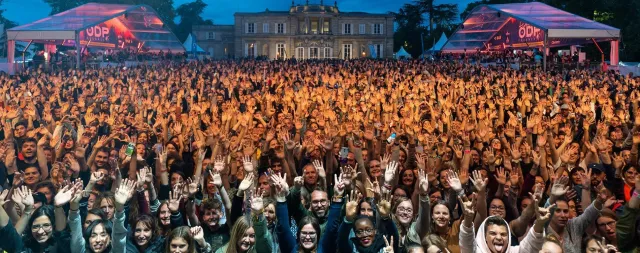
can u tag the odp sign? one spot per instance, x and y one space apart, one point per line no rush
97 31
527 31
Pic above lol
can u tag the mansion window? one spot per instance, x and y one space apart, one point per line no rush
251 28
346 29
377 28
280 28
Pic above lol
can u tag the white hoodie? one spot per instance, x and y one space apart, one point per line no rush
532 243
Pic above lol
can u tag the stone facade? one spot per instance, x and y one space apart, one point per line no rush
304 32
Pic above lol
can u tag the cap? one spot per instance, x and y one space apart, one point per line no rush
596 167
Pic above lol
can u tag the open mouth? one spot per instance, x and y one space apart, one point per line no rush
142 240
499 246
98 247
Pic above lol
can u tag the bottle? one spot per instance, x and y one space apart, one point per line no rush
391 138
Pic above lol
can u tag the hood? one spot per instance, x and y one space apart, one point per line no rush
481 243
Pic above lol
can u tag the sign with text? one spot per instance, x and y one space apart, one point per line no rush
516 34
110 34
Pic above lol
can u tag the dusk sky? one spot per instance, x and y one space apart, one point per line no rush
221 11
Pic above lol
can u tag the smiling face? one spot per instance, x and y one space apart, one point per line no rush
441 216
366 209
107 206
319 203
31 176
497 208
247 241
99 239
365 232
308 237
211 217
630 176
404 212
407 178
42 229
142 234
270 213
497 238
164 215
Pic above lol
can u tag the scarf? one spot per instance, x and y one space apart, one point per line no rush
375 247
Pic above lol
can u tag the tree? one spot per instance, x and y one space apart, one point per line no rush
190 15
470 7
58 6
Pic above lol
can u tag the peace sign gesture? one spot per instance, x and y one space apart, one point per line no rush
389 245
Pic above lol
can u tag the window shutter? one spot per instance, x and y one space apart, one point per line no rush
381 55
344 28
285 28
381 28
246 49
246 27
373 28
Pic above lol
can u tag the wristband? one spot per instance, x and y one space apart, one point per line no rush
467 151
635 195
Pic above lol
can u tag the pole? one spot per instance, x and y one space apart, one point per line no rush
78 51
544 52
422 43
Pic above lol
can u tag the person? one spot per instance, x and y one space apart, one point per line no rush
146 236
494 234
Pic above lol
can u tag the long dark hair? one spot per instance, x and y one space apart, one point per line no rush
32 243
150 222
108 227
309 220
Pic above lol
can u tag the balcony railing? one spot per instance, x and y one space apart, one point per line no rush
314 33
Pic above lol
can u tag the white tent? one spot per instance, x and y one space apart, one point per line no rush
438 46
402 54
187 45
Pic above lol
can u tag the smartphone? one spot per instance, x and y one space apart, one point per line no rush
344 151
129 150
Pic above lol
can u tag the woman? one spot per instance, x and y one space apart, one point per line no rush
106 202
146 236
592 244
42 237
442 226
551 245
248 239
403 216
184 240
100 235
168 219
434 244
309 230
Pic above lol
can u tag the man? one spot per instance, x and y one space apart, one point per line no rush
215 233
570 231
319 207
606 225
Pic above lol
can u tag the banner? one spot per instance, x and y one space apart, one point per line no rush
372 50
110 34
516 34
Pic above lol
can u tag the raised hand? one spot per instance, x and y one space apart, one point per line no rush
246 183
63 196
501 176
3 197
218 165
478 182
351 209
197 234
27 197
140 176
317 164
216 178
282 188
454 181
123 192
585 179
191 186
247 163
559 188
174 200
384 206
257 202
96 177
338 185
423 183
298 182
388 245
468 208
390 172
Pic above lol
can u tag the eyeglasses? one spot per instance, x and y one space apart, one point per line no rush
319 202
498 208
405 210
364 232
611 224
46 227
308 234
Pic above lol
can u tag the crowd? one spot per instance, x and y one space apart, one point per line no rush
319 156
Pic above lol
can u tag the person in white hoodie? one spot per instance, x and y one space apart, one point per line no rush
494 235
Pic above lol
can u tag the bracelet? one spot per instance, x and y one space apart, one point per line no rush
467 151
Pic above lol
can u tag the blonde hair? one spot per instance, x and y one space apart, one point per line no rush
237 232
